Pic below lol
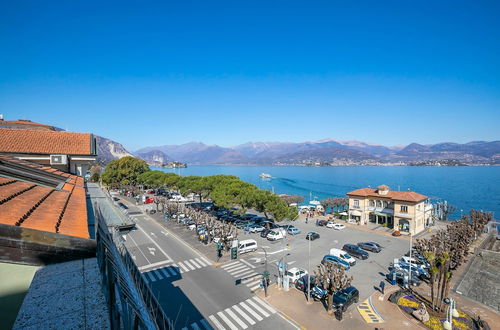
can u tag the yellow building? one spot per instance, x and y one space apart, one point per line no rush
406 211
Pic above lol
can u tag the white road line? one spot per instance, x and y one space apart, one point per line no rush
254 305
195 326
248 272
164 272
137 247
240 271
234 270
253 288
156 264
206 325
236 318
249 279
266 305
233 267
151 277
183 267
251 311
253 283
157 272
194 263
206 261
172 271
201 262
154 242
216 322
229 264
189 265
290 322
245 316
228 322
246 262
269 253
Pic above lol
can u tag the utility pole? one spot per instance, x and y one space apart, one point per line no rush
409 279
309 273
266 273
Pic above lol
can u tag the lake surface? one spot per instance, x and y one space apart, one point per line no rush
468 187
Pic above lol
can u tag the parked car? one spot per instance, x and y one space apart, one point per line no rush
338 226
293 230
312 236
322 223
318 293
254 228
295 273
265 232
355 251
345 298
370 246
416 260
330 224
248 245
276 234
400 277
301 283
343 255
336 261
149 200
415 269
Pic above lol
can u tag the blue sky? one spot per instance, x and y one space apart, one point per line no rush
228 72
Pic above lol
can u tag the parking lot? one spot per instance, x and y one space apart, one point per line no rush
367 273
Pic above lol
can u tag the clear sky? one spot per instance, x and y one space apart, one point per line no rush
227 72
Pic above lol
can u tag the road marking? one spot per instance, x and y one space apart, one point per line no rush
229 264
246 262
188 264
164 272
201 262
216 322
257 316
235 269
195 326
254 283
254 288
249 279
152 250
206 325
269 253
154 242
228 322
158 274
263 312
266 305
241 271
137 247
151 277
156 264
172 271
194 263
245 316
236 318
183 267
205 260
368 312
248 272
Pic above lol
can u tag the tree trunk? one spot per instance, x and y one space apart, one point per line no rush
330 303
432 280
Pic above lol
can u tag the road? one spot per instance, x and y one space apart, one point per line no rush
192 292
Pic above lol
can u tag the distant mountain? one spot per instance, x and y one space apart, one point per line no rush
154 157
108 150
330 151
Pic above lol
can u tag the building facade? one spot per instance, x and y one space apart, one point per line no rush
406 211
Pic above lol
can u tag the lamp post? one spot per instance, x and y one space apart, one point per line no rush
409 279
266 273
309 273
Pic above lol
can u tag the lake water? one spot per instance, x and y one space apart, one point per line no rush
468 187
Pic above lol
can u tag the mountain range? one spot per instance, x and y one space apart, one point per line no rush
325 152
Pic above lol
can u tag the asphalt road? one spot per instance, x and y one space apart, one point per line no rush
192 292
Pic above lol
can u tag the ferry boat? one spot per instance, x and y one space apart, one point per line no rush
265 176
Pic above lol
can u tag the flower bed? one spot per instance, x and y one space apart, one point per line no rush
462 322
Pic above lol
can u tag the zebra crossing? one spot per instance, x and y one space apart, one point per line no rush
239 316
245 271
175 269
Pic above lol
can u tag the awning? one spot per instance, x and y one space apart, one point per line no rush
380 214
356 213
343 213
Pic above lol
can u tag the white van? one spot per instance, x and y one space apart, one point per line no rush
248 245
343 255
276 234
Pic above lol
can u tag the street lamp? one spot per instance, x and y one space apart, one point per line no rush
309 272
409 279
266 273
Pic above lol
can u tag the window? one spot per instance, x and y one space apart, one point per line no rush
418 207
404 209
386 204
379 204
356 203
372 202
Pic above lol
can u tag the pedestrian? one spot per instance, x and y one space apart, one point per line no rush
382 286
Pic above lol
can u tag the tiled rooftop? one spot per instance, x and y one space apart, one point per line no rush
42 207
45 142
407 196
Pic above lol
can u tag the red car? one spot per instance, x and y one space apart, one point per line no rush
148 200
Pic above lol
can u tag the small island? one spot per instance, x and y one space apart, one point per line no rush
174 165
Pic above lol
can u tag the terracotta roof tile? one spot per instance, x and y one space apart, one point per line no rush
407 196
45 142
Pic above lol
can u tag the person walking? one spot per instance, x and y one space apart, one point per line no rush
382 286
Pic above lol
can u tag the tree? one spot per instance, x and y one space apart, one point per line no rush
124 171
333 278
